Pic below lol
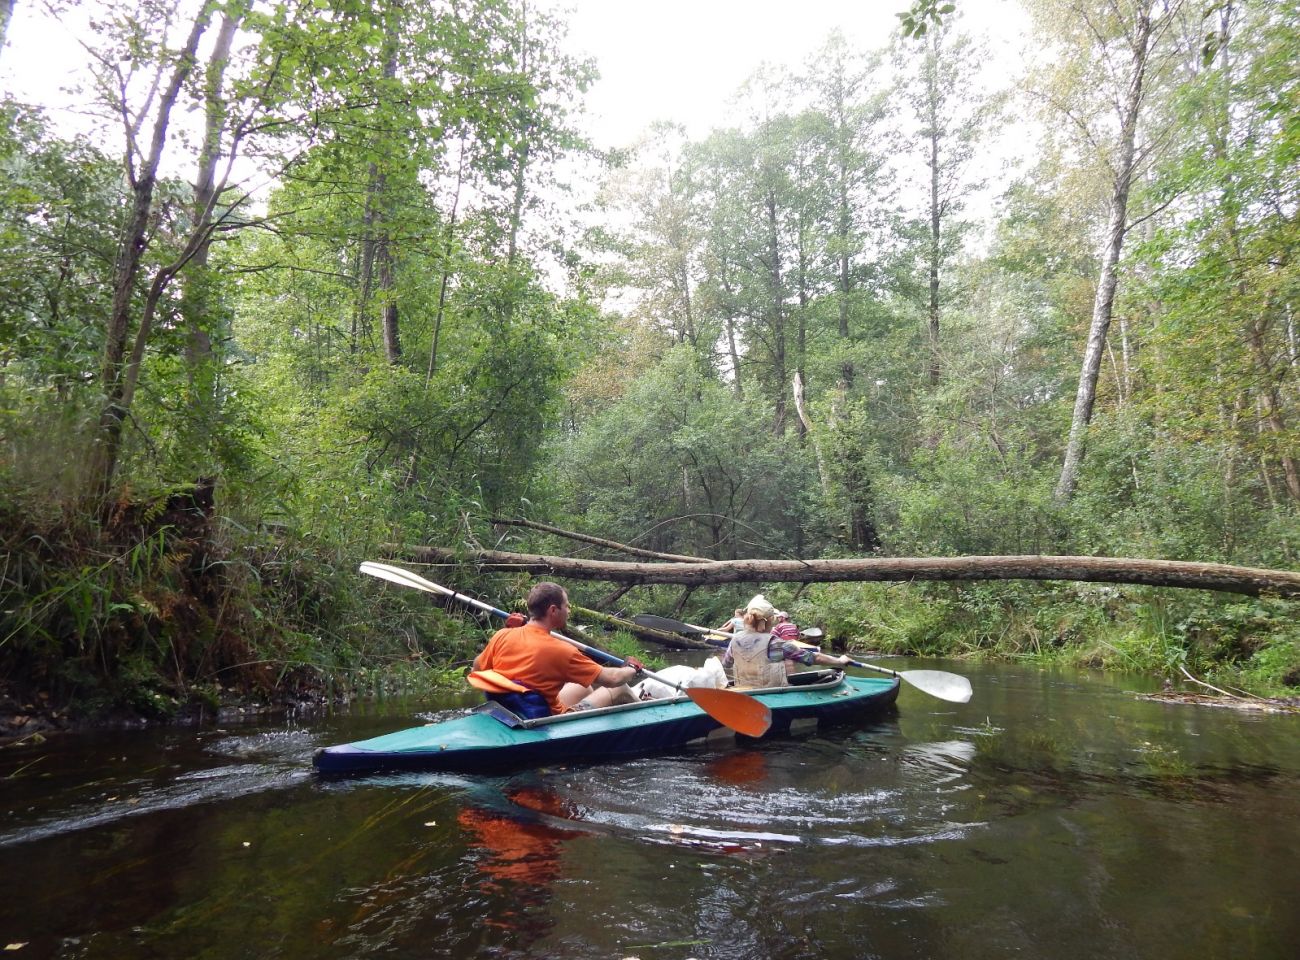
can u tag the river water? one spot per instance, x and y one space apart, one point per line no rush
1055 815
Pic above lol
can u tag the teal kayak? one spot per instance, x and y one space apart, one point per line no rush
492 738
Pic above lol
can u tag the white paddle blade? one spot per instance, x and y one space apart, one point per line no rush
939 683
386 571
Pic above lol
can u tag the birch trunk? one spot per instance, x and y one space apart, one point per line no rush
1108 279
777 309
823 475
936 212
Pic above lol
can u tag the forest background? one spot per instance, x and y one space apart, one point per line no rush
311 281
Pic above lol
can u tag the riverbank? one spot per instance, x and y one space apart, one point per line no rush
26 719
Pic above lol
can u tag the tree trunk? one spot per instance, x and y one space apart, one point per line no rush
1271 403
801 322
377 257
521 156
936 213
517 206
126 269
777 309
733 350
685 275
844 229
1251 581
822 473
1108 280
369 243
388 295
194 301
446 265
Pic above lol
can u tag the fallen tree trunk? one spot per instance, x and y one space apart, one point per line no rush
1251 581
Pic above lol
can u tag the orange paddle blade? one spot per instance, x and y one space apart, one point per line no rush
738 711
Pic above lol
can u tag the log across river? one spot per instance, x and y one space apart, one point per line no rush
1251 581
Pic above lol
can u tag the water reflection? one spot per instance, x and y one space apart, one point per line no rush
740 767
518 852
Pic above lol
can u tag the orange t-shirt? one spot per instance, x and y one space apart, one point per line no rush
531 656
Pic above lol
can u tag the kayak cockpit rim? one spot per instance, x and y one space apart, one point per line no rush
509 718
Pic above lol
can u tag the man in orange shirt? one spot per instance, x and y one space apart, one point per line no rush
565 676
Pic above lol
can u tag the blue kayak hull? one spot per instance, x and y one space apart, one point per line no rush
493 739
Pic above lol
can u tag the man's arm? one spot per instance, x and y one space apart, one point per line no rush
615 676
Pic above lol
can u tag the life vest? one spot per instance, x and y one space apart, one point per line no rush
752 663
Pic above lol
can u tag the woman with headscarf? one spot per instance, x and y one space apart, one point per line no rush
758 658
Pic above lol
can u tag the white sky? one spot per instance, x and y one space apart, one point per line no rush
679 60
683 60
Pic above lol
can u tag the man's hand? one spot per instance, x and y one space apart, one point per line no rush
515 620
634 663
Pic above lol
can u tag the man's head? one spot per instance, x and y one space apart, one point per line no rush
549 604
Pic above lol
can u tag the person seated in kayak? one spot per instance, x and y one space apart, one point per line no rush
784 629
759 658
735 623
547 667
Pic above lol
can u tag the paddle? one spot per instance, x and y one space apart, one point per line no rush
937 683
681 626
738 711
676 626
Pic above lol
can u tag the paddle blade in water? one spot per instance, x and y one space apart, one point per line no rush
738 711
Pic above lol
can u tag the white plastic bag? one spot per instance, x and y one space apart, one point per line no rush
709 675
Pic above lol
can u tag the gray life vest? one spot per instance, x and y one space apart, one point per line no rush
751 664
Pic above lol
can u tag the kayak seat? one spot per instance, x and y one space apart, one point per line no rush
806 677
530 704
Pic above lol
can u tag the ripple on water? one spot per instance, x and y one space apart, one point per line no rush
288 746
273 760
844 790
